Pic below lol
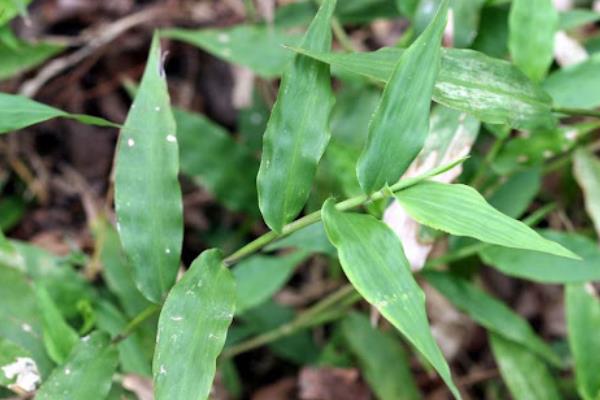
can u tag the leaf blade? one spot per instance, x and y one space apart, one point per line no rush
297 132
373 260
148 199
583 321
525 375
532 24
376 352
501 93
401 121
87 373
460 210
490 313
586 168
192 328
547 268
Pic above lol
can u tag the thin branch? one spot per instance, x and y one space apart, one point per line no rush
106 35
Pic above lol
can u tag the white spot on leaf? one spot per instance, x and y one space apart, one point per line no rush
171 138
157 108
26 328
177 318
223 38
130 142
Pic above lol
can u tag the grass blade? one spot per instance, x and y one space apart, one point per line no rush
373 260
400 123
460 210
297 132
147 193
192 328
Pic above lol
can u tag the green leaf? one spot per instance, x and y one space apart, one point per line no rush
492 38
583 323
147 194
547 268
576 86
492 90
192 328
260 277
256 47
19 316
400 123
132 355
465 19
466 14
490 313
18 112
116 269
11 8
586 168
59 337
24 56
407 7
87 374
539 146
525 375
231 182
532 24
515 195
460 210
382 358
577 17
297 132
58 275
373 260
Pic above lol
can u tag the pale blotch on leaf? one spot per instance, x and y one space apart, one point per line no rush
25 374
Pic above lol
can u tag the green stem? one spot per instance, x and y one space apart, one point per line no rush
332 306
477 181
136 322
314 217
328 309
577 112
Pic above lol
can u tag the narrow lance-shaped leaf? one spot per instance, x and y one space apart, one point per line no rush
460 210
490 89
400 123
382 358
192 328
147 193
256 47
59 337
116 268
87 374
297 132
532 24
373 260
17 112
490 313
19 316
586 168
547 268
526 376
583 324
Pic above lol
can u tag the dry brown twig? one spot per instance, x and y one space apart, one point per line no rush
105 35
